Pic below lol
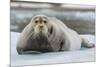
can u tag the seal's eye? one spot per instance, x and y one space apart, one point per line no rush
36 21
45 21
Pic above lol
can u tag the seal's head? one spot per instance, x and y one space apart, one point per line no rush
40 24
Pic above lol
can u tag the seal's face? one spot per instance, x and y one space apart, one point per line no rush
40 24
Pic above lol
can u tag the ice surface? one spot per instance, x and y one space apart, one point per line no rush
82 55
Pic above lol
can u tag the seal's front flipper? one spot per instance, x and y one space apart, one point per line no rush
20 51
31 52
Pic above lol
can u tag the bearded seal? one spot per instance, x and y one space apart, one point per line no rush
49 34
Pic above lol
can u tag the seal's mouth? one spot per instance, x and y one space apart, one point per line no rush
40 29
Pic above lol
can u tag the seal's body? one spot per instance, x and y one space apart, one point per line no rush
47 34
